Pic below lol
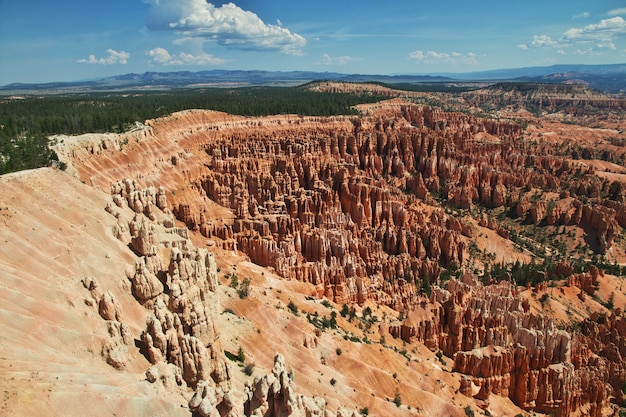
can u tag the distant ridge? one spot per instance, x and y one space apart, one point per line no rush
607 78
213 78
513 73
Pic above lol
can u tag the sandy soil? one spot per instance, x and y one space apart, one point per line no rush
54 233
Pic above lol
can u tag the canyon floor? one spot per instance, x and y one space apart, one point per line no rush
163 271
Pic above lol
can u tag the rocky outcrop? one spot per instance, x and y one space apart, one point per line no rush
603 220
181 340
504 350
574 99
274 395
109 308
605 336
319 218
145 284
210 401
115 347
342 203
587 282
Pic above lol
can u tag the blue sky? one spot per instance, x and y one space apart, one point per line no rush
66 40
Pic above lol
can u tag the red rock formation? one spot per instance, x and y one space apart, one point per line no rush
587 282
275 395
506 351
328 201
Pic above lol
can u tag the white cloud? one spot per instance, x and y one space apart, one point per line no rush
593 37
326 59
162 57
540 41
114 57
433 57
582 15
617 12
602 35
228 25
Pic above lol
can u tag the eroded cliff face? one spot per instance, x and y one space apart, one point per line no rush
502 348
349 204
177 284
574 99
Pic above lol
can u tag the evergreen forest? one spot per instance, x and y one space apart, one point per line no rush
26 122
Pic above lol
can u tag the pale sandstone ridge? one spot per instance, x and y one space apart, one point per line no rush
181 338
68 322
94 323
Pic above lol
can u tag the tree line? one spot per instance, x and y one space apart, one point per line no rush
26 122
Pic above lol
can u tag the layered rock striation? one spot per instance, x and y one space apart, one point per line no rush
503 349
181 339
347 204
181 293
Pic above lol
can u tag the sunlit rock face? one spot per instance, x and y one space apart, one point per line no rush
354 206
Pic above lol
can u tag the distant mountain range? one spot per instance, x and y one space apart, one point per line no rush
606 78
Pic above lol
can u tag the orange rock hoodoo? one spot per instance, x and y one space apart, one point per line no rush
338 202
505 350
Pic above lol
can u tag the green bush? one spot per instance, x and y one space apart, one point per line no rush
396 399
292 307
244 288
248 369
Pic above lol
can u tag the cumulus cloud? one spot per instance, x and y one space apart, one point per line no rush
114 57
228 25
433 57
540 41
602 35
161 56
326 59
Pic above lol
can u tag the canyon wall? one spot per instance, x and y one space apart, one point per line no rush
350 205
502 348
177 284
